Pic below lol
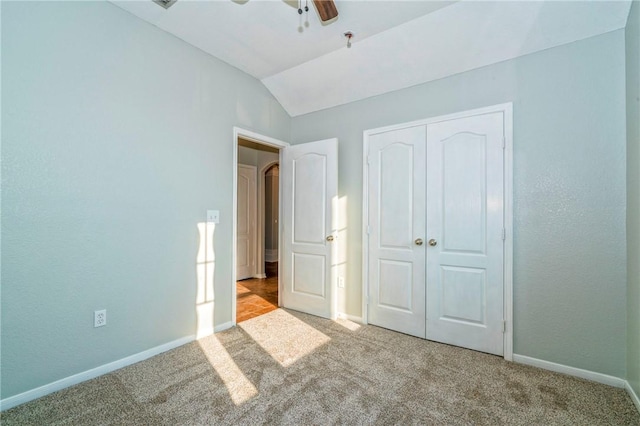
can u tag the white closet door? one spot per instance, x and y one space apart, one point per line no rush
246 222
309 174
396 230
465 220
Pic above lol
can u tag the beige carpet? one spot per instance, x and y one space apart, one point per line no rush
289 368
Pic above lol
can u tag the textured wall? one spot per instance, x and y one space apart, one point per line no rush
632 43
569 189
116 138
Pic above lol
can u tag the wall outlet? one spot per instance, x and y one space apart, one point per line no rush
340 282
100 318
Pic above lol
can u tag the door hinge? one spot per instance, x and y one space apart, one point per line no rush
504 326
368 159
504 142
368 230
504 234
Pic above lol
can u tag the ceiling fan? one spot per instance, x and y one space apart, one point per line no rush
326 8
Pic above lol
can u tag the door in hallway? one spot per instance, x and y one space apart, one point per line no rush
246 222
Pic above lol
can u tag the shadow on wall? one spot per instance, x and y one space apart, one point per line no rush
205 266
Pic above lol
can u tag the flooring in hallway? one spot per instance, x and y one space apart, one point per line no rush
256 297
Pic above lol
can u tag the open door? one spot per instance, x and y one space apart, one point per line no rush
309 174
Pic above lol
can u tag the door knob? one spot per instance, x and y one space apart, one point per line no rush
330 238
418 241
433 242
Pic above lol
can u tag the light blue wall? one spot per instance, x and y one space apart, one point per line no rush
569 189
632 40
116 138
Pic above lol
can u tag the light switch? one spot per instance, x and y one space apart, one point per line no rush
213 216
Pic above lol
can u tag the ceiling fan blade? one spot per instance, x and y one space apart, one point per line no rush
326 9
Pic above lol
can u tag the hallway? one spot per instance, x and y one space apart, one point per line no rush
257 296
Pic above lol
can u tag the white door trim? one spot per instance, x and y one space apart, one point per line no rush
507 110
264 140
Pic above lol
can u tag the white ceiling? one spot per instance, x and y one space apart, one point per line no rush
397 44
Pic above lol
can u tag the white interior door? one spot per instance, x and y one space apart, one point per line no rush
309 174
246 222
397 230
465 221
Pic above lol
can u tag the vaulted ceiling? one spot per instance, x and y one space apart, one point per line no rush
307 66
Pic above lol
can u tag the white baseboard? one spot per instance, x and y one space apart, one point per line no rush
571 371
260 276
222 327
353 318
632 394
41 391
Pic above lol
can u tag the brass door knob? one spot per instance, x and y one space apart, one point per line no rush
433 242
330 238
418 241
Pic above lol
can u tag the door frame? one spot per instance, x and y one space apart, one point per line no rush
507 110
262 140
262 201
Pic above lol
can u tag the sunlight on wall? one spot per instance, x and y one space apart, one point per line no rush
349 325
340 259
239 387
205 265
494 205
292 340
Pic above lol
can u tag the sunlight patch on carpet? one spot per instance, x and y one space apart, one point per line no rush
239 387
283 336
240 289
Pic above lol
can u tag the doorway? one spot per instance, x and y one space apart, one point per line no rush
307 195
257 229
